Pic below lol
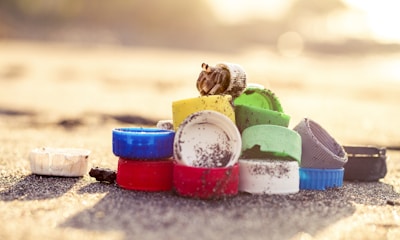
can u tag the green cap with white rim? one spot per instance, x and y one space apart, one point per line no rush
271 141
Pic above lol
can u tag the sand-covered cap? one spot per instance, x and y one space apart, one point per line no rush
64 162
319 149
268 176
264 141
206 183
207 139
320 179
224 78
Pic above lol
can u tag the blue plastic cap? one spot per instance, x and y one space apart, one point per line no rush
320 179
142 143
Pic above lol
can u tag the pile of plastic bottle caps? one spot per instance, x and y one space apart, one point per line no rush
232 138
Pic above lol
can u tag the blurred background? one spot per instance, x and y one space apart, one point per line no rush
331 27
336 61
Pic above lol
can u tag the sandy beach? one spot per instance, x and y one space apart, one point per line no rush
73 95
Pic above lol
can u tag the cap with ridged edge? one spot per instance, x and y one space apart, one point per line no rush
320 179
261 98
142 143
319 149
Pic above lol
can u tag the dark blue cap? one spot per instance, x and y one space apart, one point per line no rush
142 143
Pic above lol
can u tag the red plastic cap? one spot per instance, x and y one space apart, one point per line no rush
205 183
153 176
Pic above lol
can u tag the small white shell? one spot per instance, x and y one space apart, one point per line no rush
165 125
65 162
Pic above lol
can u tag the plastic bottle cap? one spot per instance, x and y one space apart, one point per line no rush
365 163
319 149
65 162
205 183
207 139
260 141
268 176
145 175
183 108
260 98
247 116
320 179
142 143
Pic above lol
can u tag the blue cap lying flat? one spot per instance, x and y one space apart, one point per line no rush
320 179
142 143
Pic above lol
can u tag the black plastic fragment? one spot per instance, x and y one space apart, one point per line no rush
103 174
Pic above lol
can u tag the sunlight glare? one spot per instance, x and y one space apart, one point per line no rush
382 17
234 11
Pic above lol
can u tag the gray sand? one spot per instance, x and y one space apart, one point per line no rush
36 207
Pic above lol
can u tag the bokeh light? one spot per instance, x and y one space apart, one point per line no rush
290 44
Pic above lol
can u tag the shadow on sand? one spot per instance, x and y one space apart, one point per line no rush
34 187
168 216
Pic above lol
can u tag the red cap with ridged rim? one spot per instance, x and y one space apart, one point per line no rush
152 176
205 183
